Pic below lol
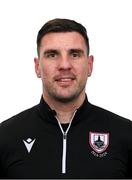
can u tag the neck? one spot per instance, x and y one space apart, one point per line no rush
65 111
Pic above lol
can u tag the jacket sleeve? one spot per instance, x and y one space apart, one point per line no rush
129 167
1 168
1 172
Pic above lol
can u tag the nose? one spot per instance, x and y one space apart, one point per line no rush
64 63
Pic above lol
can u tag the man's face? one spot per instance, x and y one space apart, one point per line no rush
63 65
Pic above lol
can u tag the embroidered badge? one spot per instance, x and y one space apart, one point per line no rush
98 141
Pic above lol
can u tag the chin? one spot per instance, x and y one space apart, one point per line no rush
65 99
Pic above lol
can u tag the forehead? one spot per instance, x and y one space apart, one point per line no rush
61 40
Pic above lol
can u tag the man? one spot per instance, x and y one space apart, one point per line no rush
65 136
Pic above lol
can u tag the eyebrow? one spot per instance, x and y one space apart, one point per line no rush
80 51
50 51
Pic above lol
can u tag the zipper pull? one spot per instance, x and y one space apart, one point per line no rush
64 135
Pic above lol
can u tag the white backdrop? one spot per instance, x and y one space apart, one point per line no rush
109 25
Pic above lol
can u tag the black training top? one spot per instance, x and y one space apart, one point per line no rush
96 144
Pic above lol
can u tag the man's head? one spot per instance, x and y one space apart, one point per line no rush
63 61
62 25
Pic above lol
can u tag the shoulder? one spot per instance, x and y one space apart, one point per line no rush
20 119
106 116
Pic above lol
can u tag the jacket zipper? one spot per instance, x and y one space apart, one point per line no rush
64 152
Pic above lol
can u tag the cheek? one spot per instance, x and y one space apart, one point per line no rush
47 72
83 70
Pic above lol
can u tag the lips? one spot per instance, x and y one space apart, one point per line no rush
65 80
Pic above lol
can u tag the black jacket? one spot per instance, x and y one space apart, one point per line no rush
98 144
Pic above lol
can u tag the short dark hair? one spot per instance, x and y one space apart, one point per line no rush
62 25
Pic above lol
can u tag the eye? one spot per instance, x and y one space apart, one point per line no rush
51 55
75 54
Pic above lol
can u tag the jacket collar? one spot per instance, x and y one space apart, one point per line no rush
48 114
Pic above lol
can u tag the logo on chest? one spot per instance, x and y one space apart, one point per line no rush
99 142
29 144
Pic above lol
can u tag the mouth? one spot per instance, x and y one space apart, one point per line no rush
65 80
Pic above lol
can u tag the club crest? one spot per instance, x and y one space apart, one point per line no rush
99 141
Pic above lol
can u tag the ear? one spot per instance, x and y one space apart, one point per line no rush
90 65
37 67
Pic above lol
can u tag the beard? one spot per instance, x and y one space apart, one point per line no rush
64 95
